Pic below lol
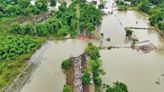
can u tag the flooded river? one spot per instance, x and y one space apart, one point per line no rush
138 70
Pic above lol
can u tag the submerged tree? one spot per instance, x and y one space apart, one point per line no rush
129 33
117 87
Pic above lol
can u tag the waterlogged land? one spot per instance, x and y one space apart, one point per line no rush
139 71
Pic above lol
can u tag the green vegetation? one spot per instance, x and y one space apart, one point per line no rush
13 46
77 18
14 51
95 64
66 64
117 87
86 78
21 7
67 88
129 33
92 51
122 6
53 2
98 81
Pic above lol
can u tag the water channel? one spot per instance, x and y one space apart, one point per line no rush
138 70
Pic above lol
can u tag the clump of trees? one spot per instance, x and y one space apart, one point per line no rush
92 51
14 51
66 64
94 63
13 46
122 6
86 78
21 7
49 27
77 18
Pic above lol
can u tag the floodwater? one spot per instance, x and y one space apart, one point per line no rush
137 70
48 77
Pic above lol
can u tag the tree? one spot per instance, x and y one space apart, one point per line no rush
90 27
28 29
67 88
40 5
98 81
16 28
66 64
156 1
161 25
53 2
63 6
86 78
95 64
144 5
28 10
63 31
92 51
24 3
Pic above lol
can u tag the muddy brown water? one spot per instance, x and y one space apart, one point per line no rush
138 70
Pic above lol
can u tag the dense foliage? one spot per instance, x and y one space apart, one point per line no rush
66 64
67 88
21 7
14 51
53 2
77 18
13 46
122 6
117 87
94 63
92 51
86 78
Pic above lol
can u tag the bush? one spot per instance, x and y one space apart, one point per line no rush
92 51
13 46
67 88
98 81
161 25
129 33
86 78
117 87
53 2
66 64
